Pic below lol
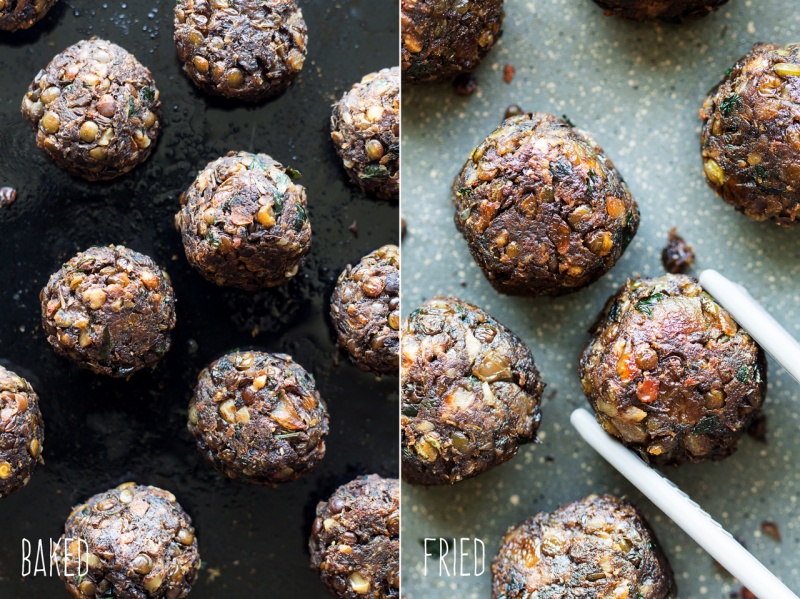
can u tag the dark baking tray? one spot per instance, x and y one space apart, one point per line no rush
102 432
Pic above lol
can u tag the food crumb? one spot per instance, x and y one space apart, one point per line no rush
677 256
508 73
465 84
353 228
770 528
513 110
7 196
213 574
514 499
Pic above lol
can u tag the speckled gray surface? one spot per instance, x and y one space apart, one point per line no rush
638 89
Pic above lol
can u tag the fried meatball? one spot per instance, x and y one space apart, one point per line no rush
21 432
364 517
442 38
365 309
665 10
671 374
599 546
109 309
244 222
751 135
21 14
246 50
140 543
542 208
258 418
95 109
471 394
365 129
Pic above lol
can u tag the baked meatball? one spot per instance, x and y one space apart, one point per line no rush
599 546
365 309
442 38
246 50
21 432
140 544
355 539
670 373
244 222
751 135
365 129
95 109
470 393
542 208
258 418
109 309
665 10
21 14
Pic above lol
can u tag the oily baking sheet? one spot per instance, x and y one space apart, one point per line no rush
638 88
102 432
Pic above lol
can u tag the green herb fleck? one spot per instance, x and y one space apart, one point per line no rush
567 120
287 435
213 239
293 173
707 424
645 305
376 172
258 163
132 109
149 94
410 411
464 192
743 374
300 218
728 105
760 172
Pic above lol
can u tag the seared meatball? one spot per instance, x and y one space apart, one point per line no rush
21 14
365 309
109 309
599 546
355 539
471 393
751 135
258 418
21 432
671 374
244 222
365 128
666 10
247 50
442 38
95 109
140 542
542 208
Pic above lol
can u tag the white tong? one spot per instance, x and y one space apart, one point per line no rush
706 531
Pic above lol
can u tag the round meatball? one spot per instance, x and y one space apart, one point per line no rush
244 222
442 38
471 394
365 309
258 418
21 14
666 10
21 432
751 135
365 129
542 208
95 109
599 546
246 50
355 539
671 374
137 542
109 309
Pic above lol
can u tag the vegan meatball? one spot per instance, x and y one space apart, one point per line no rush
258 418
109 309
542 208
751 135
139 544
599 546
666 10
471 393
21 14
442 38
671 374
21 432
365 309
365 128
95 109
246 50
355 539
244 222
